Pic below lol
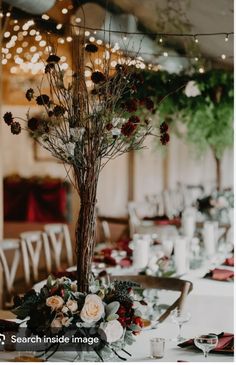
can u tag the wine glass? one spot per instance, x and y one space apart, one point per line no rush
180 317
206 343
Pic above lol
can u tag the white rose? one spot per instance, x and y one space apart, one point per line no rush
72 305
116 131
55 302
93 309
65 309
192 89
113 330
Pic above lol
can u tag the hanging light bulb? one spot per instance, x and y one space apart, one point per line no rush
226 38
195 39
160 40
223 56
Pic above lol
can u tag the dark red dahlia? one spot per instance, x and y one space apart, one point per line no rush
58 110
164 127
109 126
15 128
53 58
128 129
98 77
29 94
43 99
134 119
8 118
33 124
131 105
49 67
91 48
164 138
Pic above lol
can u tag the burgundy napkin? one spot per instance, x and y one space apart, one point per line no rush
229 261
125 262
225 343
220 274
8 326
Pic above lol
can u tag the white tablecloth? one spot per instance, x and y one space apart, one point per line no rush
211 307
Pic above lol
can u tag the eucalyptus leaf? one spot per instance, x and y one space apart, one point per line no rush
112 317
112 308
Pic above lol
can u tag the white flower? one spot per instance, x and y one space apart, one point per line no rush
93 309
55 302
192 89
113 330
72 305
65 309
115 131
117 121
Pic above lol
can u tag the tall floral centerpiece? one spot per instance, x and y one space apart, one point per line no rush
85 123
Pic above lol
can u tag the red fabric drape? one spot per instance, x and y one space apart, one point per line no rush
35 200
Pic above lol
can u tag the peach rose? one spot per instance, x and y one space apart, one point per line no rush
93 309
56 325
55 302
66 321
72 305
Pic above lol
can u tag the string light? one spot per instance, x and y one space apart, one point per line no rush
165 54
160 40
201 70
226 38
59 26
45 17
64 11
223 56
195 39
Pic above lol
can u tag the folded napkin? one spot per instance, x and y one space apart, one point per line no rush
125 262
220 274
229 261
225 343
69 274
8 326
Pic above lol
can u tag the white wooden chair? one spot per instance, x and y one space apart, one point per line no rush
106 231
34 245
10 259
59 236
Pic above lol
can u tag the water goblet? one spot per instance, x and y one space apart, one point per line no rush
180 317
206 343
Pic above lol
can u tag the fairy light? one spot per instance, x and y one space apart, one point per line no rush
195 39
196 59
63 58
226 38
92 39
165 54
19 50
87 33
25 44
33 49
16 28
201 70
64 11
32 32
38 38
4 61
24 33
77 20
13 70
223 56
7 34
160 40
99 42
69 39
8 14
1 14
42 43
59 26
61 41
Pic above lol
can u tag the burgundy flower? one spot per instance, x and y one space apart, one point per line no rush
134 119
98 77
15 128
53 58
8 118
109 126
58 110
33 124
128 128
29 94
164 127
43 99
164 138
49 67
131 105
91 48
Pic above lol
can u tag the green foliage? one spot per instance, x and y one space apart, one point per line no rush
208 117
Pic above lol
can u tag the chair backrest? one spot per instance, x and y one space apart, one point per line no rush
106 231
153 282
35 244
10 262
59 235
134 220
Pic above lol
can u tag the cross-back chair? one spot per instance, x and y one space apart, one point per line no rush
153 282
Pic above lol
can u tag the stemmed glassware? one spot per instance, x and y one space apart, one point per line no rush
206 343
180 317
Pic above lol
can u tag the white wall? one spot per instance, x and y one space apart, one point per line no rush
17 157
